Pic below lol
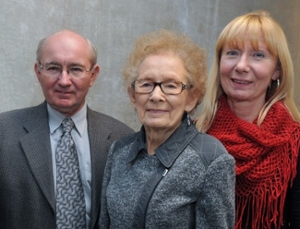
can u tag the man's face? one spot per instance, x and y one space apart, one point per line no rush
65 93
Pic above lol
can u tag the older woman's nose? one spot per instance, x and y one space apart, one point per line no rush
157 93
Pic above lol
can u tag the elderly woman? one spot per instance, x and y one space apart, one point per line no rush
167 175
250 109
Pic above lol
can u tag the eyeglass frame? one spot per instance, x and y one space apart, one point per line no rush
41 67
183 87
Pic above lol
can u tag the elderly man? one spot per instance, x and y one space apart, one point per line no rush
52 156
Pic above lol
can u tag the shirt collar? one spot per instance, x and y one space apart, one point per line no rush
55 119
138 145
171 148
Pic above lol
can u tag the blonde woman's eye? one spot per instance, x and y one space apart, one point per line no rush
259 55
232 53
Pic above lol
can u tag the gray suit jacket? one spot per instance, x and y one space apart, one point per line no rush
27 197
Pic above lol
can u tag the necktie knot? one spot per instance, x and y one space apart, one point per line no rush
67 125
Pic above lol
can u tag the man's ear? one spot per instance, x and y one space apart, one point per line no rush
132 97
37 71
95 72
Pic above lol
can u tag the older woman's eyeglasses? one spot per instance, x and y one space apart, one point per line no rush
55 70
169 87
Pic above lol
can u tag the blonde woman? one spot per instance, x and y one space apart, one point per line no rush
249 107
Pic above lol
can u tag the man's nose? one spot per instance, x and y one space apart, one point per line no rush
64 77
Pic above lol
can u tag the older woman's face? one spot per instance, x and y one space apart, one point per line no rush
246 72
157 110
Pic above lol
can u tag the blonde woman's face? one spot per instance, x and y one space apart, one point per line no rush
246 73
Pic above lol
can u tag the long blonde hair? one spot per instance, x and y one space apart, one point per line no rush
252 23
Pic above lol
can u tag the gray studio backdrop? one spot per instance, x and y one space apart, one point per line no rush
113 25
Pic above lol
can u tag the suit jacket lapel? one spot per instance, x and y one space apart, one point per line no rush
37 149
99 144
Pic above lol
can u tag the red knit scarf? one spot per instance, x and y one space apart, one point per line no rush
266 160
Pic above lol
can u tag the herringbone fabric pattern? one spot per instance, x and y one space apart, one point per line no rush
70 204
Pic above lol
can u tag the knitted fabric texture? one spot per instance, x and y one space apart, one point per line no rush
266 160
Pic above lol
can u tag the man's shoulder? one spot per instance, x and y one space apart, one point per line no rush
23 113
103 118
104 121
15 123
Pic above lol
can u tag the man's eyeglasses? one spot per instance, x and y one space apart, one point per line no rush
55 70
169 87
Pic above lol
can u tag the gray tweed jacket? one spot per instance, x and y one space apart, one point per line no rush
26 179
196 189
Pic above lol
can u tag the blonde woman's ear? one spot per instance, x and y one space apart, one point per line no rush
276 74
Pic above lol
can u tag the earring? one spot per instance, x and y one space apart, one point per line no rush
270 85
278 83
135 114
188 119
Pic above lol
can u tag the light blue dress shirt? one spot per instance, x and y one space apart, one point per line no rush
81 139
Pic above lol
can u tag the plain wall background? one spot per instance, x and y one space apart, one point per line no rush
113 26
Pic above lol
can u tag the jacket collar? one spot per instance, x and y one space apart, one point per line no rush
171 148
